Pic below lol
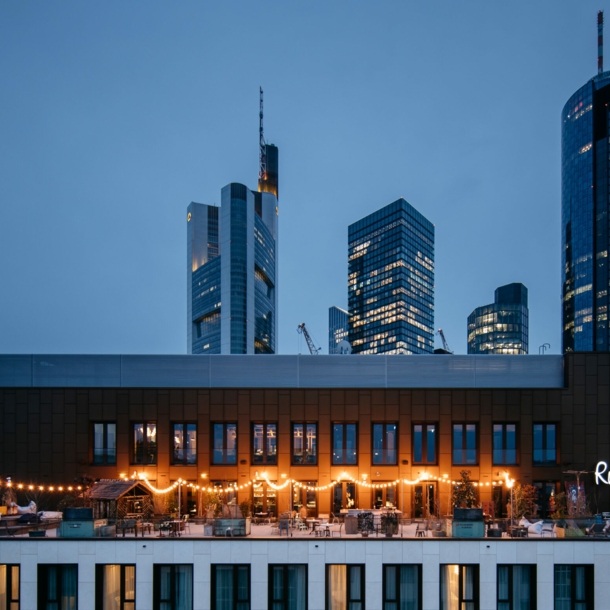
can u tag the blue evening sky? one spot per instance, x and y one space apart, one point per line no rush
115 115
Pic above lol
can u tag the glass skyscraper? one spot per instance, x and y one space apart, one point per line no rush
503 326
232 269
337 328
584 216
391 282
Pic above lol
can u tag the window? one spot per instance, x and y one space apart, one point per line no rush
145 443
505 444
304 498
345 444
574 587
459 587
344 587
173 587
230 587
264 444
385 437
402 587
344 496
264 497
545 444
185 444
384 496
58 586
287 587
304 443
424 443
225 444
546 496
104 443
516 587
464 444
9 587
115 587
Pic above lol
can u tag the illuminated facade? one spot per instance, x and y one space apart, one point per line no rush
584 224
503 326
337 328
391 282
232 273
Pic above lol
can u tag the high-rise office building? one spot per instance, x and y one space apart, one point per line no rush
337 328
585 200
391 282
232 266
503 326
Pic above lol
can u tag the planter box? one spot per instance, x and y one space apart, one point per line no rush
468 514
237 527
465 529
494 532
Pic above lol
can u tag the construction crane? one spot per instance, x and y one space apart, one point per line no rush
445 344
313 350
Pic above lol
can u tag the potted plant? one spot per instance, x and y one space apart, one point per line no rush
244 507
464 496
365 524
559 508
389 523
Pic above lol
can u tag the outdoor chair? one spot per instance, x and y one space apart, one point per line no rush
126 526
548 529
186 524
334 518
421 531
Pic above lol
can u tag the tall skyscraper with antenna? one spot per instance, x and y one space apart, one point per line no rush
585 202
232 265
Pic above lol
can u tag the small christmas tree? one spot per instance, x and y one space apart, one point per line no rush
464 493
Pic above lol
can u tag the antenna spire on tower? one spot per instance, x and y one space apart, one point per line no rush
600 42
262 171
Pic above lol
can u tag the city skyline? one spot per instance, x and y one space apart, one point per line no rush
116 117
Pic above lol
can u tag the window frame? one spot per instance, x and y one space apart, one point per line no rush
464 447
305 454
225 430
105 461
157 584
344 449
265 458
99 585
544 448
271 601
184 425
384 461
348 600
424 444
236 600
504 449
43 583
589 600
146 443
11 601
533 584
475 601
397 599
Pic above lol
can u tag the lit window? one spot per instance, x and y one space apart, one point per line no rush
344 587
184 444
264 444
145 443
9 587
115 587
304 443
459 587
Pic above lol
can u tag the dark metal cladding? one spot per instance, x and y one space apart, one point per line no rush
270 183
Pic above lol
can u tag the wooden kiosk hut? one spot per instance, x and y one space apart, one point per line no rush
119 499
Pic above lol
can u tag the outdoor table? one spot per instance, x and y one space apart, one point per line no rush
260 517
144 527
314 524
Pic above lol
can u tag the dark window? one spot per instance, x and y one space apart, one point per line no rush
546 496
264 444
505 444
424 443
58 586
517 587
224 450
344 587
304 443
402 587
287 587
464 444
184 443
459 583
545 444
574 587
9 587
104 443
145 443
385 442
173 587
345 438
230 587
115 587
